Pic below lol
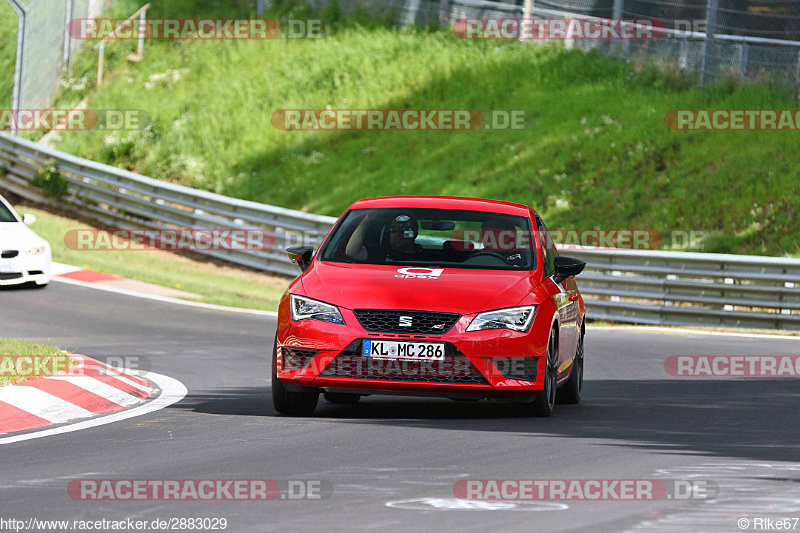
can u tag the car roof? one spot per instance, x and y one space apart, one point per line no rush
443 202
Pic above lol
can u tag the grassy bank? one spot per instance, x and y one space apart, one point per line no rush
210 283
11 348
597 156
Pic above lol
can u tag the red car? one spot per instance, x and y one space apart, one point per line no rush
456 297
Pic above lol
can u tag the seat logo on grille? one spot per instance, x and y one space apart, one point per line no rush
405 321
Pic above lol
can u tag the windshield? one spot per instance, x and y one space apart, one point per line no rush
6 215
432 238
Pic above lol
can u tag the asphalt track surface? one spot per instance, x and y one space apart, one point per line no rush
392 462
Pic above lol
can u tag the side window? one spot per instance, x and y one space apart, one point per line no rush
549 252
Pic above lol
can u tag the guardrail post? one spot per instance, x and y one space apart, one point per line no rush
101 57
412 7
708 46
797 76
619 7
683 54
68 37
743 53
527 13
142 24
617 14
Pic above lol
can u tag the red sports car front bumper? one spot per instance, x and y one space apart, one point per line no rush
491 363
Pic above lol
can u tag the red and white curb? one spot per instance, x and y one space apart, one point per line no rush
90 388
69 272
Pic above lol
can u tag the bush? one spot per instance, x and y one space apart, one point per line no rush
51 181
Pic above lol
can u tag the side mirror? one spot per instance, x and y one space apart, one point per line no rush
300 255
566 267
28 219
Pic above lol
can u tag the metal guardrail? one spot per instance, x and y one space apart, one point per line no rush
650 287
670 288
122 199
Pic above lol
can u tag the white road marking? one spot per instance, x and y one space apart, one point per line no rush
747 490
58 269
172 391
650 329
42 404
454 504
101 389
165 299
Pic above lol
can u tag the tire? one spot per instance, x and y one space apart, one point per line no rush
544 403
342 397
288 402
570 393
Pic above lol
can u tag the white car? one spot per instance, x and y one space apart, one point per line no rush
24 256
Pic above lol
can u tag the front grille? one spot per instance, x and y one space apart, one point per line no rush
9 254
455 368
10 275
295 359
389 321
523 368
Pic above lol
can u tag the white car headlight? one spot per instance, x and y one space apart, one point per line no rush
304 308
516 318
38 250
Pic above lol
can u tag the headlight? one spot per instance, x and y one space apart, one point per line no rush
39 250
516 318
304 308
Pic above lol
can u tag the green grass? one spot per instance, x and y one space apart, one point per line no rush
16 347
211 283
598 156
8 53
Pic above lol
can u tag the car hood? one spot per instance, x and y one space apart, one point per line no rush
17 236
454 290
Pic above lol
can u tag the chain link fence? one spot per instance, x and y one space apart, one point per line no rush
756 40
716 39
44 46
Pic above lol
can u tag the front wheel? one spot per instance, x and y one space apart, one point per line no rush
289 402
544 403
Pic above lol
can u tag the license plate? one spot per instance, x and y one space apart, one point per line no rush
9 266
424 351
